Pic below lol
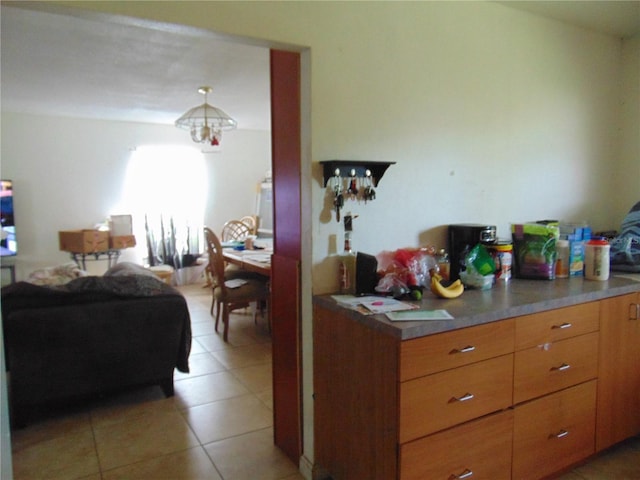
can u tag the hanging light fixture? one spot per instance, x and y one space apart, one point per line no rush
206 122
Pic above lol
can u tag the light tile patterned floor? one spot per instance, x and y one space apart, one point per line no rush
218 426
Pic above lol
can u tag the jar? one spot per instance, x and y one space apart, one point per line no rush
596 259
562 258
502 253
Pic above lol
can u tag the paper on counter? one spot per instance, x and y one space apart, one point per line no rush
384 305
413 315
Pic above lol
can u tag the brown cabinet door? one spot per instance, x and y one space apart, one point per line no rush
619 370
551 367
555 325
478 450
435 353
435 402
554 432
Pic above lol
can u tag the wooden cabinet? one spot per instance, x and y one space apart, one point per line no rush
517 398
554 392
460 380
555 325
435 353
482 451
554 431
618 370
553 366
441 400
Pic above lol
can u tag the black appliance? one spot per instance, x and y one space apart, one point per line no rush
462 238
366 274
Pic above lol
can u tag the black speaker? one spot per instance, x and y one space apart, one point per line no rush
366 274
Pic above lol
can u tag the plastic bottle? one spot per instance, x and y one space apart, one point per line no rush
562 258
596 259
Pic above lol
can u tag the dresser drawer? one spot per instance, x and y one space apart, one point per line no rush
554 432
435 353
435 402
480 449
554 366
554 325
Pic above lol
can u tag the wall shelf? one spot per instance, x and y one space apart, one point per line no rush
360 166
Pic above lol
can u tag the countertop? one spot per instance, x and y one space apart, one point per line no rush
509 299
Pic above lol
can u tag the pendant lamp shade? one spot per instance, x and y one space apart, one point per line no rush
206 122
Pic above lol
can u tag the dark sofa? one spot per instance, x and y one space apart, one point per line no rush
91 336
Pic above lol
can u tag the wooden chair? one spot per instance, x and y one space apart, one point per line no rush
229 299
252 222
235 230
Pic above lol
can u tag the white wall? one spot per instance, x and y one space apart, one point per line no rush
627 170
70 175
492 114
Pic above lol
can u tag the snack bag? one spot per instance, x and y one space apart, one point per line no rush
534 250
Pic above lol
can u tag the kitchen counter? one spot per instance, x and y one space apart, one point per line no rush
515 298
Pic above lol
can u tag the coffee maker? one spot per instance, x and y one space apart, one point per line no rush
462 238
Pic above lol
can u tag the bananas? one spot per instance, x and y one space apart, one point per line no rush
452 291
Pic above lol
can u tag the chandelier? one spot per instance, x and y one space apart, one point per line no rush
206 122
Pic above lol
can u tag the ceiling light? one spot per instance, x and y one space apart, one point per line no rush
206 122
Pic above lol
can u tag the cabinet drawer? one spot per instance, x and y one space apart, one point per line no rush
434 353
482 447
554 325
554 366
435 402
554 432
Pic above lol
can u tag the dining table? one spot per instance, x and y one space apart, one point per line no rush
258 261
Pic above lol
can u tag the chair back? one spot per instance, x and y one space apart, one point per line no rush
235 230
216 261
252 222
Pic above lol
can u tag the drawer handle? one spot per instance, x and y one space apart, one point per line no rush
562 325
634 311
464 398
561 368
466 474
467 349
560 434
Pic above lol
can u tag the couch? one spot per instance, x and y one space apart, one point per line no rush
90 336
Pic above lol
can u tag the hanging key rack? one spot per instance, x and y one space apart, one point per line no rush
377 169
352 180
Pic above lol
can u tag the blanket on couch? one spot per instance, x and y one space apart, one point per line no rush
125 281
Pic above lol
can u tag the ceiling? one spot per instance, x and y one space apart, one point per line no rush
115 69
98 66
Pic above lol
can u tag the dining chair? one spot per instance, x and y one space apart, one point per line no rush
235 230
229 299
252 222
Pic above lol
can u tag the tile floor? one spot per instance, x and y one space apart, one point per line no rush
219 424
620 462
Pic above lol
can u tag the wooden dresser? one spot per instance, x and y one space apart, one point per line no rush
512 398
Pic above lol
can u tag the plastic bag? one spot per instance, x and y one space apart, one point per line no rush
480 260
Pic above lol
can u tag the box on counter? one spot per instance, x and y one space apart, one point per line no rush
119 242
577 234
121 225
576 257
83 241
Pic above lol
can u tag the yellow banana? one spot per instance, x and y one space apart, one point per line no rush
452 291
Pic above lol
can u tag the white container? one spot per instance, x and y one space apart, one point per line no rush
596 259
